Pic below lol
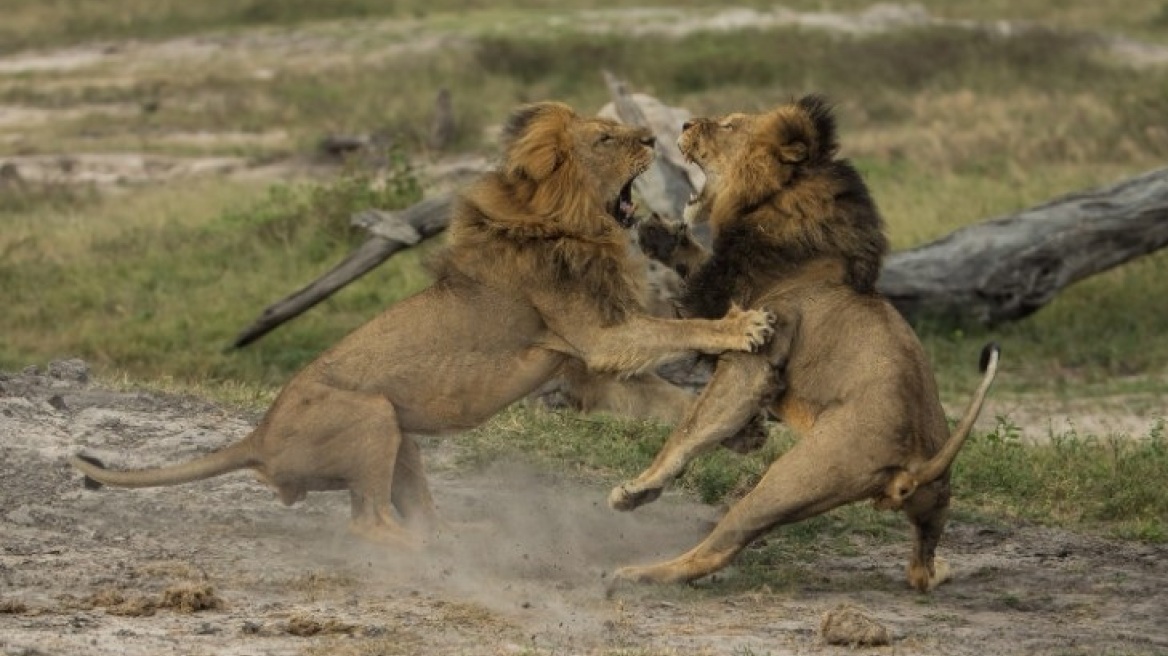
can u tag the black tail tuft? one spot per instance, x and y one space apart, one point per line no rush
88 482
987 352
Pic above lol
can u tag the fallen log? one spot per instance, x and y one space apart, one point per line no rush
390 232
1006 268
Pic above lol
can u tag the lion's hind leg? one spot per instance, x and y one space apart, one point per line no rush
377 444
817 474
323 438
410 491
928 511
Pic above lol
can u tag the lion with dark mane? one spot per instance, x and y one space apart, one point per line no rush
797 233
537 277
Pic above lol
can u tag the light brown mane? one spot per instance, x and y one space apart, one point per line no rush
535 217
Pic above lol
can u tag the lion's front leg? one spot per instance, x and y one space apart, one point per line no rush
644 342
641 396
817 474
730 400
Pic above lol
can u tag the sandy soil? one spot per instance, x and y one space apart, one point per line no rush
220 567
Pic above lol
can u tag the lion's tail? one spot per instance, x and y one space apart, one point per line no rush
234 457
937 465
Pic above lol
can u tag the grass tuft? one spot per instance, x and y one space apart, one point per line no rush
1113 483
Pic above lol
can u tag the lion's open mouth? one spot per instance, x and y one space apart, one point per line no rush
624 207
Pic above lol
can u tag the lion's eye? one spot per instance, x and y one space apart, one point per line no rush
604 138
726 125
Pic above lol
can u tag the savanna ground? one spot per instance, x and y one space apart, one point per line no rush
160 184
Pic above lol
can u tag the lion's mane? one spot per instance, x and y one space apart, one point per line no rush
771 215
534 221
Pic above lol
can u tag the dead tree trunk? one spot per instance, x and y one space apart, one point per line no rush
1006 268
392 232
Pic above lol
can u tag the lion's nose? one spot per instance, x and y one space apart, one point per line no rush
649 141
687 125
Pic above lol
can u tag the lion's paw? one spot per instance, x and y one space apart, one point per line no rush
758 325
925 579
625 497
661 573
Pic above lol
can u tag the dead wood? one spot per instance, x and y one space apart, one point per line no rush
391 232
1006 268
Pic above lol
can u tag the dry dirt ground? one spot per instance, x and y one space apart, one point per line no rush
220 567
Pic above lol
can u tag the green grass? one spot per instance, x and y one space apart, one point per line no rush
1114 484
990 104
158 285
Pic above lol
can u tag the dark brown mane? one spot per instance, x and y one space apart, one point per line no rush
824 211
823 132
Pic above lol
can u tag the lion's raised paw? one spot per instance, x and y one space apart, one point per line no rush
758 326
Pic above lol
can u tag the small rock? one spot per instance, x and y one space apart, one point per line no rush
850 625
251 628
206 628
58 402
74 369
22 516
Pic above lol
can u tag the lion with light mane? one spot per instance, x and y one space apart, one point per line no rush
797 233
536 277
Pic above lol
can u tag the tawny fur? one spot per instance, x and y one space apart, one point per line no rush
796 232
536 278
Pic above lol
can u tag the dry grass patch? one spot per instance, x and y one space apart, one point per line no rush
190 598
12 607
305 625
948 130
185 597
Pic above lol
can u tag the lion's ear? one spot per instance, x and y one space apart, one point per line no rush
792 152
535 139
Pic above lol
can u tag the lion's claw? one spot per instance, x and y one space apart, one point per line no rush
624 497
760 328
